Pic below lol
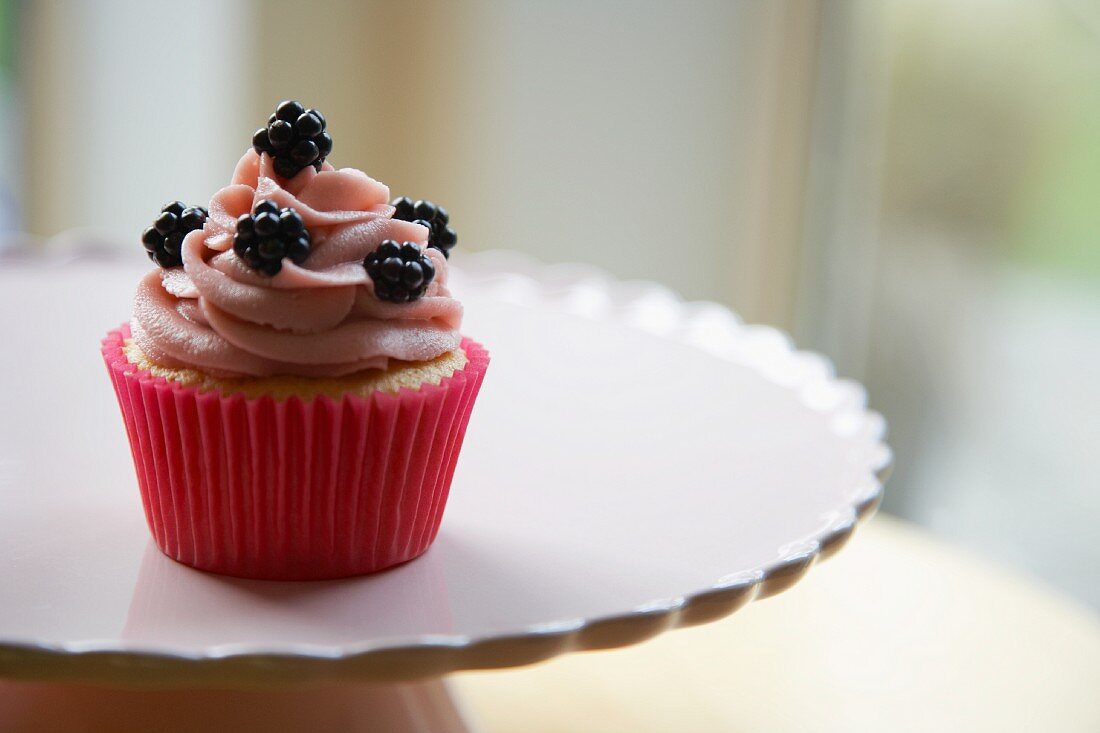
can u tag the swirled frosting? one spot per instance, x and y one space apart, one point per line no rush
317 319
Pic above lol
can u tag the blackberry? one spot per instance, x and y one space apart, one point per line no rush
269 234
401 272
433 216
162 240
294 137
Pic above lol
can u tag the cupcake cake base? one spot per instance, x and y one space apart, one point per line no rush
282 482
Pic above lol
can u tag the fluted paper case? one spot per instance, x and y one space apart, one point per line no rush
293 489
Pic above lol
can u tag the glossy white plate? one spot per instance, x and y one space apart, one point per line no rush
634 463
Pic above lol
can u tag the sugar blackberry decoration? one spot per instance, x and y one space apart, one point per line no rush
401 272
162 240
269 234
294 137
432 216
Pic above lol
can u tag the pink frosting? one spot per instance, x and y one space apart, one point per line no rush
319 318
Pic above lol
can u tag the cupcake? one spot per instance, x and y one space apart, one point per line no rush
294 382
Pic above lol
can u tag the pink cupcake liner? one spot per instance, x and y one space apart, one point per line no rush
293 489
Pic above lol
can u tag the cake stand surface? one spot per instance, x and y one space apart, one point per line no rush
635 463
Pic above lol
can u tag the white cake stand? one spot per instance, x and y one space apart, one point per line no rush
635 464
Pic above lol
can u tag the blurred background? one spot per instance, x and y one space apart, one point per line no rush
911 187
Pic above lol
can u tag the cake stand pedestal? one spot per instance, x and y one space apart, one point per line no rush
635 464
420 707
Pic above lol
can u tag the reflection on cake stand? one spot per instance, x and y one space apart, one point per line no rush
635 464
